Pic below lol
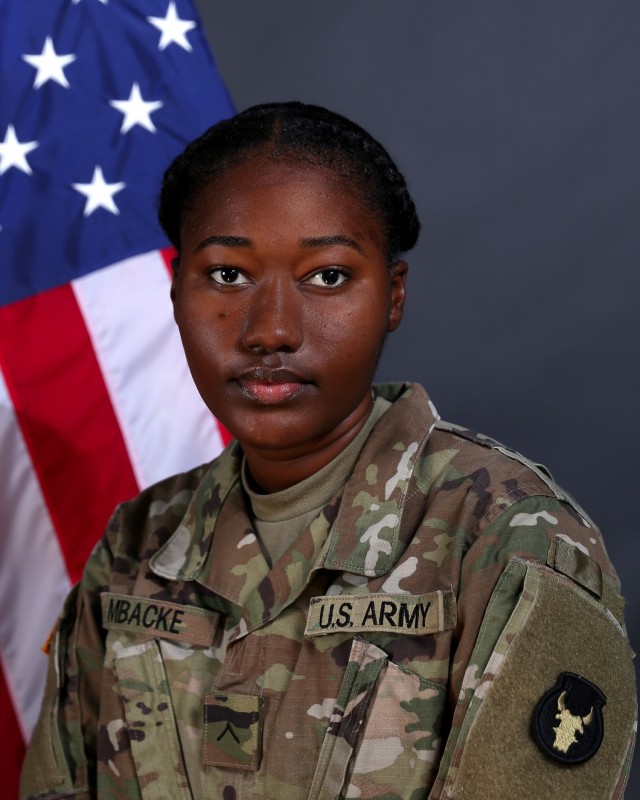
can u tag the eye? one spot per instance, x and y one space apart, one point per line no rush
329 278
228 276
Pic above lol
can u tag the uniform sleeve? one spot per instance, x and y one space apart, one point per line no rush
60 760
542 682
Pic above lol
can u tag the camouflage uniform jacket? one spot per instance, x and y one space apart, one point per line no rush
412 643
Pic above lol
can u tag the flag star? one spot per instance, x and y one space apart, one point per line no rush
14 153
173 29
99 193
49 65
136 110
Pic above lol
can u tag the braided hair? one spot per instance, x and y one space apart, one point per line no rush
293 131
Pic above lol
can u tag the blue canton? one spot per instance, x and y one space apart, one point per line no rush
97 97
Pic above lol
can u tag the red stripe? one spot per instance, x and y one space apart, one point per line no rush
12 749
66 417
224 434
168 254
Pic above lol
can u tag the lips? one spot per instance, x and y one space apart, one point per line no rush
271 386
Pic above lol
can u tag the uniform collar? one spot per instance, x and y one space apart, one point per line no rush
183 555
365 538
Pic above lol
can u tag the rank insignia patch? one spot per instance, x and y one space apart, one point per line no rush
567 720
232 730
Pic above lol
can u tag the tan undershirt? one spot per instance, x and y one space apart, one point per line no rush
280 517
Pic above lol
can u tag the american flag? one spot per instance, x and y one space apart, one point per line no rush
96 402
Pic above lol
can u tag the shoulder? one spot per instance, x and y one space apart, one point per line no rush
489 501
542 658
140 526
458 465
175 490
505 499
495 474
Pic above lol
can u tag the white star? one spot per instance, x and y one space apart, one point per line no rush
50 65
173 28
99 193
104 2
14 153
136 110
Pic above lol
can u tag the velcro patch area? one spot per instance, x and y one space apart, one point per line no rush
408 614
566 636
232 728
575 564
159 619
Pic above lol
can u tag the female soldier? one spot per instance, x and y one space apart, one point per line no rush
355 599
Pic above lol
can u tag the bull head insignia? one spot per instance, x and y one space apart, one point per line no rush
569 725
567 721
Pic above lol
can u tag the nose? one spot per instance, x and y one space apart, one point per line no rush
274 318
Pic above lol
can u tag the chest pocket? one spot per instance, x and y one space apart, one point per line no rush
151 722
164 657
382 733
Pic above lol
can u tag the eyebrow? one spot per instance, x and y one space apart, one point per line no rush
331 241
225 241
310 243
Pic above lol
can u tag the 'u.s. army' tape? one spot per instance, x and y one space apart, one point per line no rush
393 613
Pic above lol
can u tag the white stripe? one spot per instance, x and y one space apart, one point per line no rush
33 576
128 313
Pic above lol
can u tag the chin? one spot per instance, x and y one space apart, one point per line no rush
264 434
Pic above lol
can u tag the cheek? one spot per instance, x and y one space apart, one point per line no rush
331 337
203 343
350 342
202 323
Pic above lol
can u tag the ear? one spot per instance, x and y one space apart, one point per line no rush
175 263
398 282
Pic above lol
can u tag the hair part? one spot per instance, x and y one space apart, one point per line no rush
294 132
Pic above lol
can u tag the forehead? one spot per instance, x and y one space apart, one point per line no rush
274 197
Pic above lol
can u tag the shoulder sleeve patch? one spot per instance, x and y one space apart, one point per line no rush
558 635
49 769
567 720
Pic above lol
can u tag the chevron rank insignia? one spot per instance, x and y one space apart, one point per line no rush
232 730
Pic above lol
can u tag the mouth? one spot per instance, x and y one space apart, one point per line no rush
271 386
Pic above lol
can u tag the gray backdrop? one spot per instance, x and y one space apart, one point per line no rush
518 127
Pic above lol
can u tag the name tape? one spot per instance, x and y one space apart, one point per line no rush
408 614
159 618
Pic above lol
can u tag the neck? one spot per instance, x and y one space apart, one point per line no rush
273 471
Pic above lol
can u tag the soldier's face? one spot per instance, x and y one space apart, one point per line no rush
283 297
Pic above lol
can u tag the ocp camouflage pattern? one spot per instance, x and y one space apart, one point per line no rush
233 700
